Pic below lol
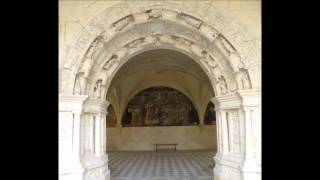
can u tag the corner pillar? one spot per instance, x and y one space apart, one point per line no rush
96 161
238 128
70 115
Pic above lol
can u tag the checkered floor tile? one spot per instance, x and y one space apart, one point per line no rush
161 165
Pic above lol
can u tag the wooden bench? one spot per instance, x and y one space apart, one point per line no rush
171 144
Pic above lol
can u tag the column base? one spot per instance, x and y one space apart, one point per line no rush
98 173
96 168
250 170
71 176
227 168
70 169
223 172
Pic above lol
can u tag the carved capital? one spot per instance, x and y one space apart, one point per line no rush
96 106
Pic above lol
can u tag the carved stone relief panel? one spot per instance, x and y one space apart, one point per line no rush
135 43
243 79
80 84
222 84
110 62
154 14
123 22
190 20
235 132
208 30
180 41
97 90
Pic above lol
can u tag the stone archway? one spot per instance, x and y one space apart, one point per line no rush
109 41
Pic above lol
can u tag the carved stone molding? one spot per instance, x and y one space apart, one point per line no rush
96 106
227 83
72 103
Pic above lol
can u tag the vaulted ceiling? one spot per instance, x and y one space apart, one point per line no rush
160 67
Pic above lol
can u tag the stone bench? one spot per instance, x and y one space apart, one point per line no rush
170 144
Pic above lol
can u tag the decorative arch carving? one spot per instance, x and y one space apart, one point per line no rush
235 54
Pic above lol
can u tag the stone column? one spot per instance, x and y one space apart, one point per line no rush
98 135
251 105
201 123
70 111
96 164
224 131
76 134
230 163
219 128
248 136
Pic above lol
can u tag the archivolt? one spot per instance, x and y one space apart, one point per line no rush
103 47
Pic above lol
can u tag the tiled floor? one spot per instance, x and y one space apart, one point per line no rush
161 165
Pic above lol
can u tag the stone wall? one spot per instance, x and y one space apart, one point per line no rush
144 138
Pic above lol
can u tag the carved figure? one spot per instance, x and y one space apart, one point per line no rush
80 83
235 62
222 85
243 80
96 45
97 89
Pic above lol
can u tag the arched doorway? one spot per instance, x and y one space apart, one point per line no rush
202 63
160 134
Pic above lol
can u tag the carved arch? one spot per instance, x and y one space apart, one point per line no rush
96 27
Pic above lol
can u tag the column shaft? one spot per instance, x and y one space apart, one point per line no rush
76 135
224 128
98 135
